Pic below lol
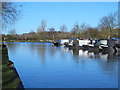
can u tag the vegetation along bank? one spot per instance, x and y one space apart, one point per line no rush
10 77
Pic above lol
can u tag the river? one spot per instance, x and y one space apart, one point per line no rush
42 65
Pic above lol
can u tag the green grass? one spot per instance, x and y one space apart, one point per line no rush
9 76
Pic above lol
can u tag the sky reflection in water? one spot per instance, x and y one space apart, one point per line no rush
42 65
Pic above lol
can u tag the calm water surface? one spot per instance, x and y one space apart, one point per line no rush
42 65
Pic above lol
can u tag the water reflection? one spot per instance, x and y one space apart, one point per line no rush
109 57
104 60
43 65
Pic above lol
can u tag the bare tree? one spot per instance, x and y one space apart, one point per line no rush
63 28
108 23
75 28
42 26
10 13
84 27
12 32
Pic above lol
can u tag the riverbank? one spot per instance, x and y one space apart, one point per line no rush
10 77
28 41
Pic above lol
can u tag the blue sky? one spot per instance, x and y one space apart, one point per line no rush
59 13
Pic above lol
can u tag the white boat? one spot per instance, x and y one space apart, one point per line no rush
84 42
60 42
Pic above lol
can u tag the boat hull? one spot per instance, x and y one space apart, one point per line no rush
57 44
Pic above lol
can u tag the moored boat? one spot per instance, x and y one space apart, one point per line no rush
113 45
60 42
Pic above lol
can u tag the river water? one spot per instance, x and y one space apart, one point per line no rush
42 65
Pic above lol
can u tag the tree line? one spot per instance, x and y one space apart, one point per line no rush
106 28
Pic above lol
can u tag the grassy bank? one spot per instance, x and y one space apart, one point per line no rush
10 78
